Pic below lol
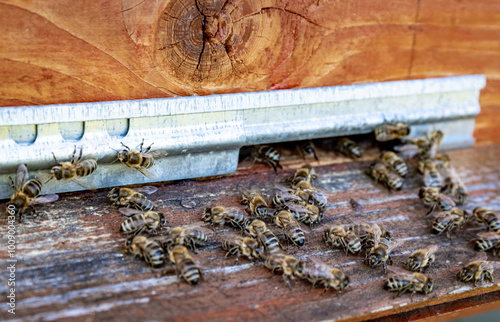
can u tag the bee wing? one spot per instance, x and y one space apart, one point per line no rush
481 256
399 272
394 244
491 265
44 199
21 176
488 235
158 153
298 208
429 250
129 211
288 195
199 226
449 217
447 199
146 189
85 186
371 228
406 151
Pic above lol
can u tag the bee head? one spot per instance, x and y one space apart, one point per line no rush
262 211
162 219
13 209
428 286
57 172
345 283
421 192
123 155
128 243
207 214
113 194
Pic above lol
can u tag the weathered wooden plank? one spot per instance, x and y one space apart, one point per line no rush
71 260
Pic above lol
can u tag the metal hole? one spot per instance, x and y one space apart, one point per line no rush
24 134
118 128
72 130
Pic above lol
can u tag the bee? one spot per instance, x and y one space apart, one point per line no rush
391 131
234 216
478 269
255 202
487 241
381 173
258 229
293 232
337 236
420 260
394 162
306 214
312 195
349 148
432 178
487 217
27 192
138 159
269 155
433 198
139 221
285 195
325 275
305 173
307 149
370 234
150 250
189 236
430 151
449 220
76 168
134 198
289 265
380 254
184 264
242 246
454 186
404 281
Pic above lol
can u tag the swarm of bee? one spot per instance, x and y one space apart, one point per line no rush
267 226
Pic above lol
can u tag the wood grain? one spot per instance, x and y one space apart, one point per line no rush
55 52
71 261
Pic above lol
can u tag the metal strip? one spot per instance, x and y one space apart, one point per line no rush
202 135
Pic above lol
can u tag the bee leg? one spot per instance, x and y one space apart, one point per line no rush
287 280
80 156
402 290
489 276
12 183
141 145
431 210
55 159
148 148
138 232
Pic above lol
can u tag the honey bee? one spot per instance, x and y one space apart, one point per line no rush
449 220
306 214
433 198
394 162
325 275
432 178
289 265
312 195
242 246
150 250
337 236
139 221
487 217
234 216
487 241
184 264
293 232
76 168
391 131
284 196
349 148
454 186
255 202
420 260
138 159
134 198
27 192
307 149
305 173
370 234
189 236
258 229
269 155
404 281
477 270
434 138
380 254
381 173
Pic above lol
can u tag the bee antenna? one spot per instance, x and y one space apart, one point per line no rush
49 180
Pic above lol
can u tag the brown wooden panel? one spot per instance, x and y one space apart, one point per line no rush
71 261
55 52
